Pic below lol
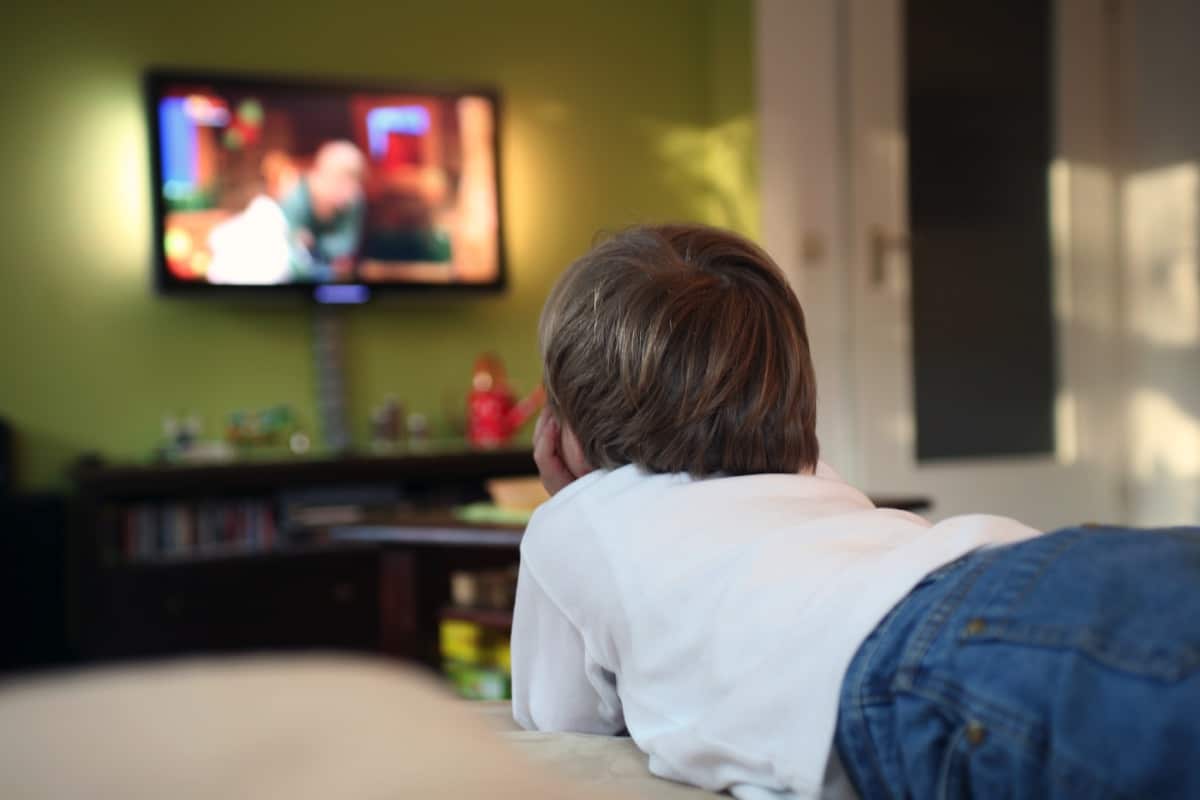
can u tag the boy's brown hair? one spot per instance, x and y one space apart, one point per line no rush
681 348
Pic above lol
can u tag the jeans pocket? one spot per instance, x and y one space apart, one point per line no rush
952 746
978 762
974 764
1127 600
953 774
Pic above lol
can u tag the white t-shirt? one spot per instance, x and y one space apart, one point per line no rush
714 619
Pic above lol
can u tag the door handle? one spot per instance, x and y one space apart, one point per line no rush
882 243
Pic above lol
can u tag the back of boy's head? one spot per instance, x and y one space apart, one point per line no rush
681 348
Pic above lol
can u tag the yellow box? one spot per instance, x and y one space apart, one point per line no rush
460 640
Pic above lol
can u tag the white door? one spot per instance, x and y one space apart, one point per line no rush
834 197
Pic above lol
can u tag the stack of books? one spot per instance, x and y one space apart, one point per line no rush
156 531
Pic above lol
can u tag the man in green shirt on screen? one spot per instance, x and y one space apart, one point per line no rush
325 212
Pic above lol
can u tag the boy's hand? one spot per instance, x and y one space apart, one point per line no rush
548 453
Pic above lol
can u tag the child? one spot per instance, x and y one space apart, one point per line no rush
702 581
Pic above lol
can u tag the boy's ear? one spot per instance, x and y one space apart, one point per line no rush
572 453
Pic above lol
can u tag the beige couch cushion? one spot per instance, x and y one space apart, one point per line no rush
292 728
264 728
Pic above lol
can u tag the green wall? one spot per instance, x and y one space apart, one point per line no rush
615 112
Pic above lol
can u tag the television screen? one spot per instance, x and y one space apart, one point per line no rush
269 183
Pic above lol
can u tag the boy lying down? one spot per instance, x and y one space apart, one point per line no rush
700 579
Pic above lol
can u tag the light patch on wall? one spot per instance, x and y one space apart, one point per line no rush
1162 301
1083 206
110 185
1162 292
901 428
714 168
1066 427
1168 440
529 175
1091 210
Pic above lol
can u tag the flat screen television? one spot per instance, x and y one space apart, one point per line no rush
322 187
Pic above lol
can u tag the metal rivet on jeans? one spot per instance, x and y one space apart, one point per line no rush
975 627
976 733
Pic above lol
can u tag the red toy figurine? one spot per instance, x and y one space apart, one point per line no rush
493 412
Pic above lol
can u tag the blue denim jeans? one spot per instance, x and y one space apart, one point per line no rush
1063 666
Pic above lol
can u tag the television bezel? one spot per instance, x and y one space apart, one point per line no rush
155 80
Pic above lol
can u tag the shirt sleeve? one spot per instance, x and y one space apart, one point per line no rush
295 208
555 685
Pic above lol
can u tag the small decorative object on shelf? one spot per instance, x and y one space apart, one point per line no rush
271 427
299 443
418 429
180 434
494 414
182 442
388 426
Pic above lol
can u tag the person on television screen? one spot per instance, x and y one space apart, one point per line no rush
325 211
